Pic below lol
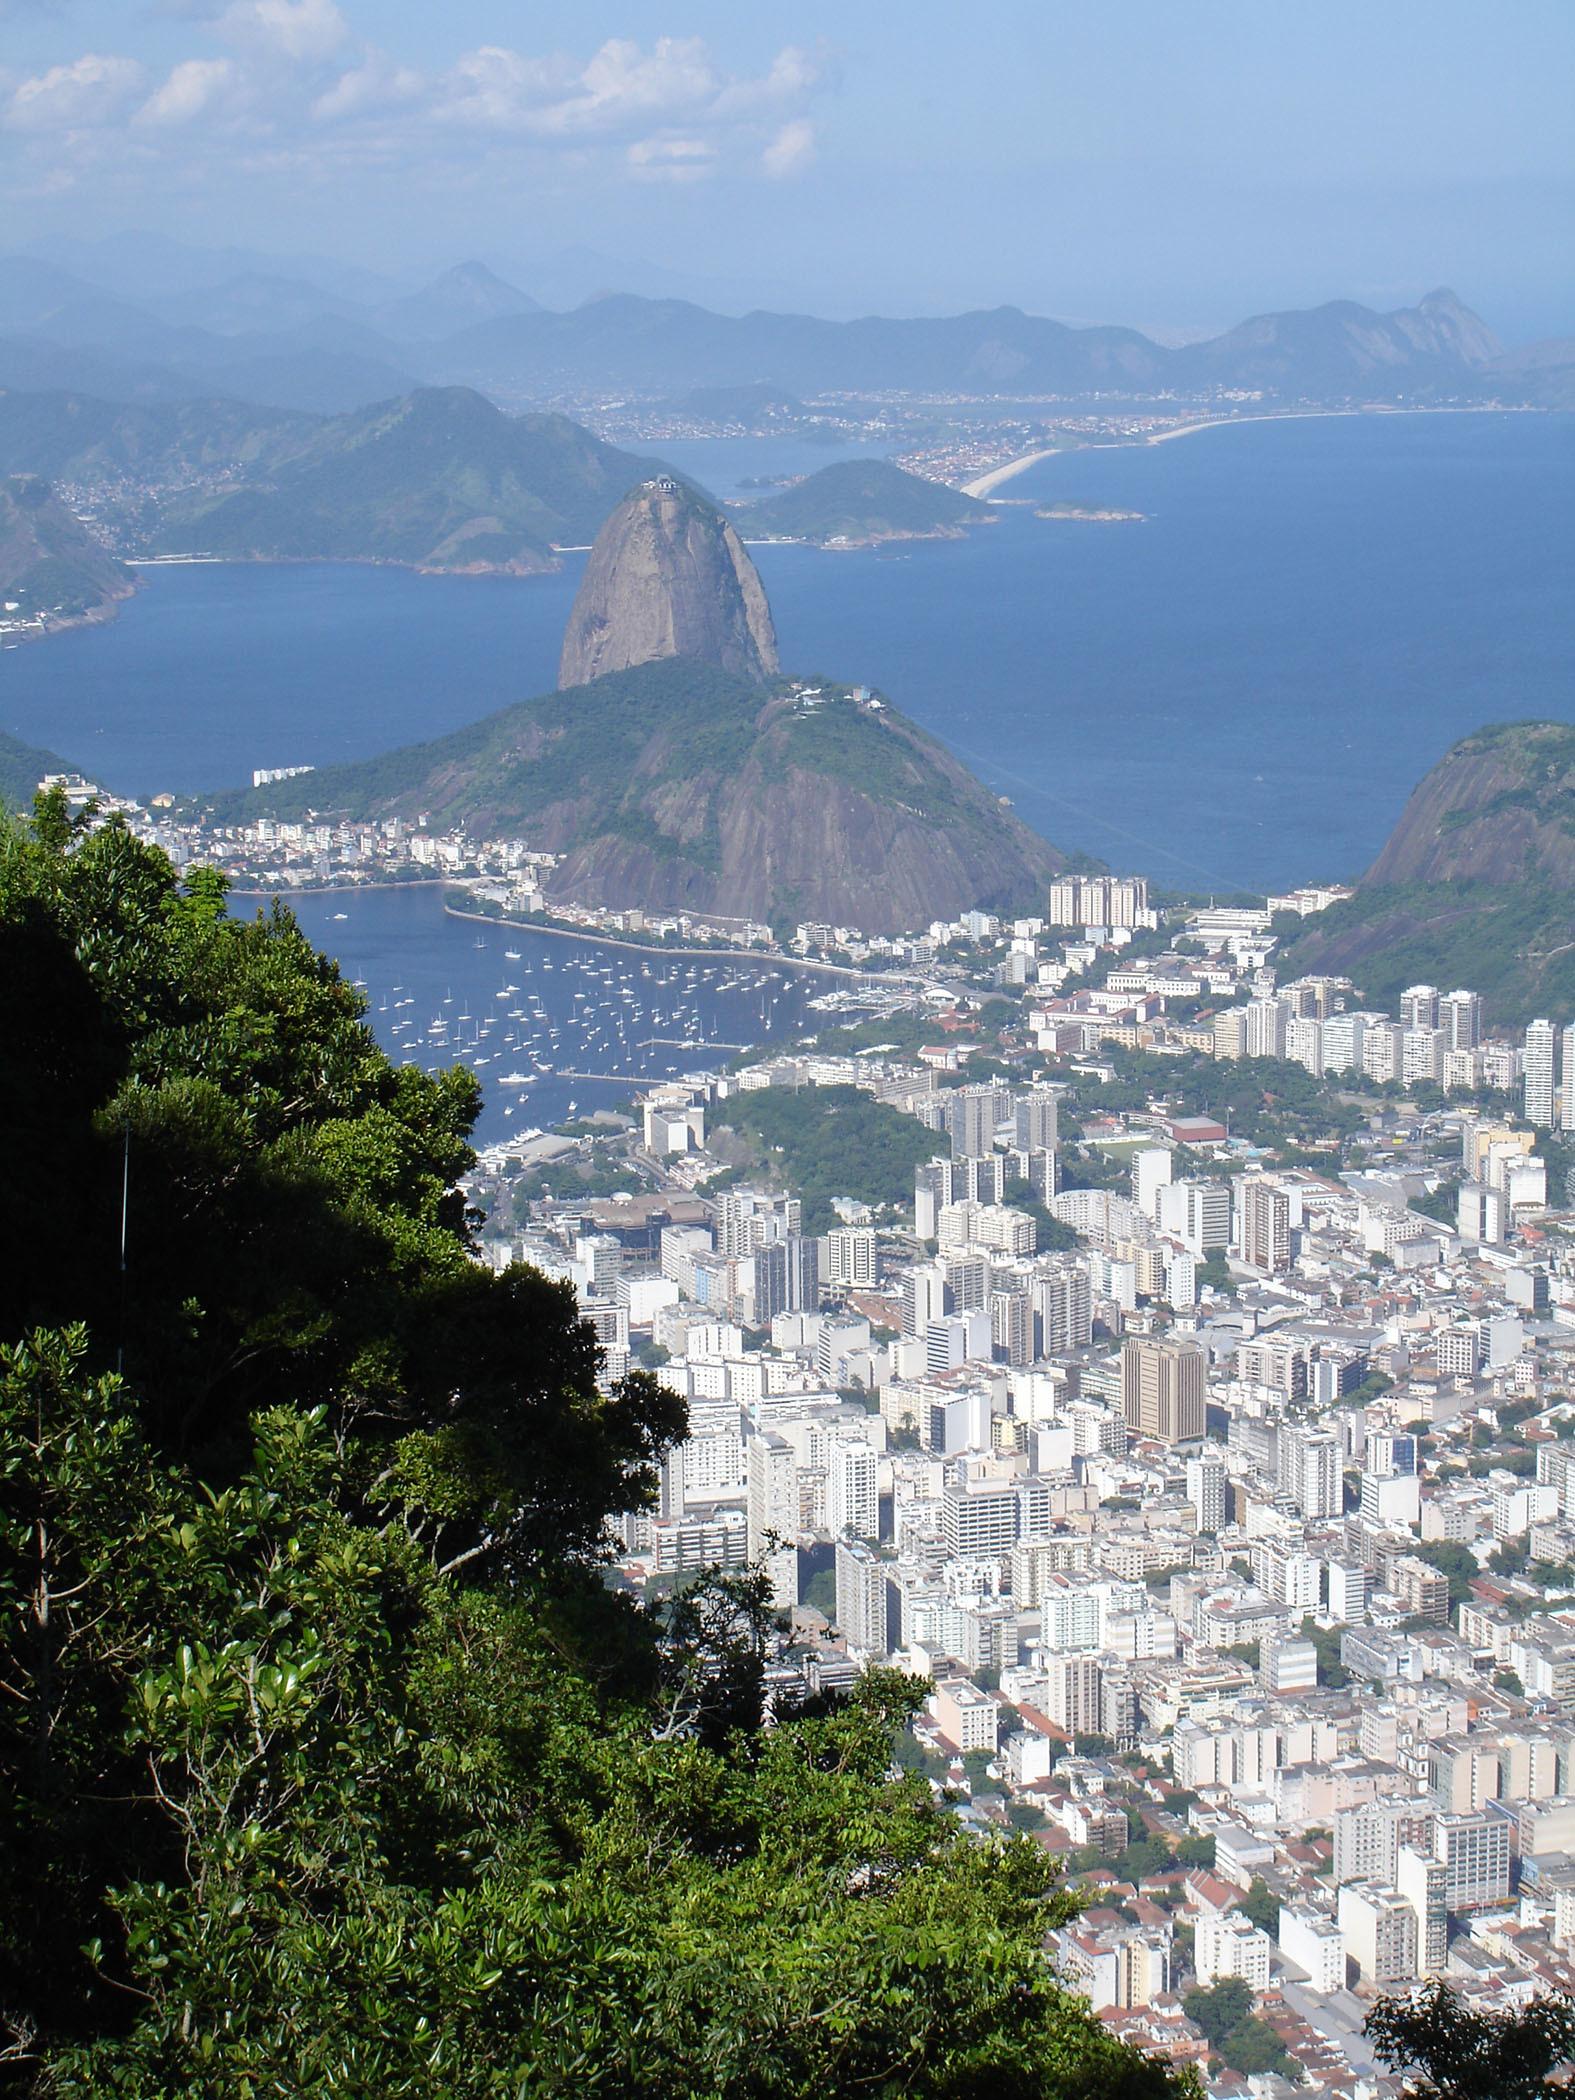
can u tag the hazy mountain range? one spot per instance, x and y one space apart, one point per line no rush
298 333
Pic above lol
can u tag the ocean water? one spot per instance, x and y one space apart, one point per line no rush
1238 692
583 1023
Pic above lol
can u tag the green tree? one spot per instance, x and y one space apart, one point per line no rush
1218 2008
1450 1558
1252 2046
1263 1907
332 1763
1463 2054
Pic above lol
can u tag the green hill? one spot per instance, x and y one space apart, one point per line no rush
439 479
53 573
1475 885
22 767
675 786
862 500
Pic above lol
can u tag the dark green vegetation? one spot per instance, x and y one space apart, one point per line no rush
77 437
1476 885
439 478
862 499
1224 2012
1463 2054
674 786
1326 1640
1266 1100
331 1766
1450 1558
49 563
831 1141
1509 941
22 767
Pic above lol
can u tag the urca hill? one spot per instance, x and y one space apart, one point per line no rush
675 771
1476 884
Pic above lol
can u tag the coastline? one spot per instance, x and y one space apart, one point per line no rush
986 482
766 956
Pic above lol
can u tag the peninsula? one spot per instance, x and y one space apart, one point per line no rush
53 573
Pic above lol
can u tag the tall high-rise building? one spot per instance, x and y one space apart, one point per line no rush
1151 1171
1197 1213
850 1258
1035 1119
1567 1082
923 1297
1206 1490
1421 1880
936 1183
1460 1016
786 1278
1012 1327
972 1113
1063 1302
1162 1388
1267 1020
1072 1693
852 1489
1474 1848
771 1513
1265 1226
1379 1926
1419 1006
1098 900
861 1597
1309 1466
1540 1040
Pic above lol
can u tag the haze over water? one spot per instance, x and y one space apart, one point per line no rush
1240 691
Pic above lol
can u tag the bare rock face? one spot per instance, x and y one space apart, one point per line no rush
668 576
1498 807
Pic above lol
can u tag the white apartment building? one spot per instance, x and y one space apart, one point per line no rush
1229 1944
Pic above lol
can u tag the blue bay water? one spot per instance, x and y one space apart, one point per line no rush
1238 692
571 1018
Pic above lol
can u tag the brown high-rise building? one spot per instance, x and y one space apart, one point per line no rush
1265 1226
1162 1388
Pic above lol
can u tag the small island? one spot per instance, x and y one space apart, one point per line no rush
1091 514
860 503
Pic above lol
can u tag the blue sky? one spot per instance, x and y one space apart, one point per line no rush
1169 163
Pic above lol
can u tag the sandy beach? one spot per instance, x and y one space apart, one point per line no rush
985 483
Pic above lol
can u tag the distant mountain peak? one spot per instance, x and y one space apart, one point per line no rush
668 576
458 298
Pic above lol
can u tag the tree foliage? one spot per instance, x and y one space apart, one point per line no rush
331 1764
1463 2054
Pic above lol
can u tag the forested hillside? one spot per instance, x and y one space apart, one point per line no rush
332 1765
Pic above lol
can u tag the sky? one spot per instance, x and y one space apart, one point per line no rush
1169 164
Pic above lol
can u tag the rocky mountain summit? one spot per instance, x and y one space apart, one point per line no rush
668 576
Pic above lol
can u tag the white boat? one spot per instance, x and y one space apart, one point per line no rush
517 1079
511 954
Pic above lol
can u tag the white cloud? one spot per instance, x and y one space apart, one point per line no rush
190 91
792 149
310 30
376 84
313 98
670 160
91 90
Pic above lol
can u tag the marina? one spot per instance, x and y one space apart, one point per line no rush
536 1015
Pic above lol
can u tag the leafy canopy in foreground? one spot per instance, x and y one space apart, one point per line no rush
1464 2054
329 1763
